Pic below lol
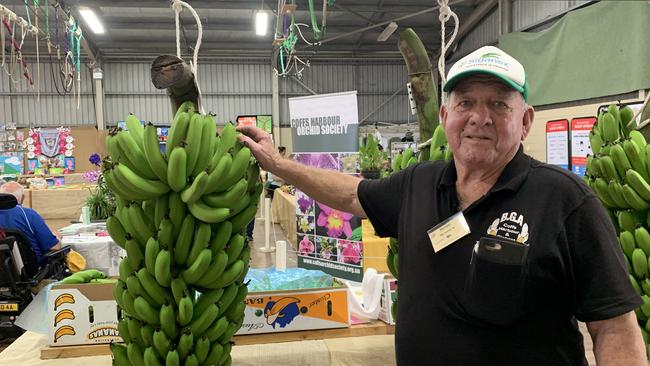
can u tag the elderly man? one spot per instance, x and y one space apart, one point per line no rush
499 254
29 222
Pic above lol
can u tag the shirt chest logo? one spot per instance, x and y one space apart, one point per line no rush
510 225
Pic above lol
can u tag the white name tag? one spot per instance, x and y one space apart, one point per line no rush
448 231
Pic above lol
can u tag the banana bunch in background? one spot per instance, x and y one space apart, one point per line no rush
619 172
439 147
181 217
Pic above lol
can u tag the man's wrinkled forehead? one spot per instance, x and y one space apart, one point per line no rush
466 84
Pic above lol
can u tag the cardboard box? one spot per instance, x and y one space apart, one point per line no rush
388 297
82 314
286 311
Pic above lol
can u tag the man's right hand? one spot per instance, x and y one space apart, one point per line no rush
261 146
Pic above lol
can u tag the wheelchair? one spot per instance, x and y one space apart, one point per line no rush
20 273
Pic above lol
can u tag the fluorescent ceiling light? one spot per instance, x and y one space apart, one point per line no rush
92 21
261 23
390 28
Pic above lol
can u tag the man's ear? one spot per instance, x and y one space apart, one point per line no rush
528 118
443 114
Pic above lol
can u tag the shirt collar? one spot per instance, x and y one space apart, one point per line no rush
511 178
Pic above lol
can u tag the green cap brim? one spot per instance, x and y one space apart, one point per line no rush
451 83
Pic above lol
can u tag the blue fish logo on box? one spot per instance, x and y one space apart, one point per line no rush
281 312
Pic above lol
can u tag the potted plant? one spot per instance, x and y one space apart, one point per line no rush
371 159
101 201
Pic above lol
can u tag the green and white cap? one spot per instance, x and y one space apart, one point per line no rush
491 61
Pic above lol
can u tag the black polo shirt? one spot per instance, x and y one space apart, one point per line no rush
453 312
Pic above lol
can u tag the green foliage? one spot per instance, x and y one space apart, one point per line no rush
370 157
101 202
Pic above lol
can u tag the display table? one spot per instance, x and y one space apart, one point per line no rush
100 252
283 212
58 203
368 350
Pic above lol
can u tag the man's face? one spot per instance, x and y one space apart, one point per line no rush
485 121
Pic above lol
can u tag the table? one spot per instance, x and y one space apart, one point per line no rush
101 252
283 212
376 350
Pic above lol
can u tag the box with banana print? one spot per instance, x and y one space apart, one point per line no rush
82 314
289 310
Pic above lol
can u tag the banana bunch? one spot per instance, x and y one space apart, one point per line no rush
86 276
619 172
439 147
181 217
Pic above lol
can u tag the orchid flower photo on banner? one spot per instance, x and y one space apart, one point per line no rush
351 251
306 246
319 160
332 222
305 224
304 204
326 248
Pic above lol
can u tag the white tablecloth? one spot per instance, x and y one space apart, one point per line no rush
100 252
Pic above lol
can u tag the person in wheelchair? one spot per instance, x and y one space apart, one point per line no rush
29 222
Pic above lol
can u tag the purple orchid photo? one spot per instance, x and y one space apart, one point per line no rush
322 160
333 223
306 246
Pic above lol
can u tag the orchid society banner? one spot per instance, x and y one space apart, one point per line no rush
325 135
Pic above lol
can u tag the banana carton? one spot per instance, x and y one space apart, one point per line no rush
82 314
388 297
286 311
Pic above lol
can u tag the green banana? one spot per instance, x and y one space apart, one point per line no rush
635 284
642 239
229 295
636 158
234 248
218 173
390 262
150 253
228 276
193 140
208 214
184 241
179 288
134 126
177 169
638 138
191 360
143 188
610 127
214 356
185 343
162 268
216 268
227 198
227 142
135 354
439 137
636 181
159 295
243 203
621 163
141 224
147 312
206 298
208 144
152 153
123 330
238 170
134 252
135 327
173 358
627 114
201 241
135 287
120 356
202 321
133 154
243 218
253 176
146 331
616 192
161 210
396 165
230 331
201 349
125 269
406 156
149 209
177 132
198 268
628 243
116 231
168 321
161 342
185 310
193 192
220 238
596 142
120 190
640 263
177 212
150 358
608 168
602 190
626 220
633 198
236 311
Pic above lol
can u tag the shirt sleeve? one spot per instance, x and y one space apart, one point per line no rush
46 240
381 200
602 289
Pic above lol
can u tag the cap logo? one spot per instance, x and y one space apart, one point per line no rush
490 55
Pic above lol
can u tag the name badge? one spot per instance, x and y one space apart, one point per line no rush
448 231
